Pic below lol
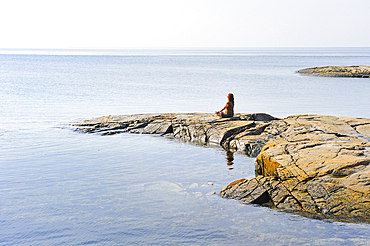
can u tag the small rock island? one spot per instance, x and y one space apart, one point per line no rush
311 164
338 71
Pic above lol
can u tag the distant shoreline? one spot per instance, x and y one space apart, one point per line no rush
155 51
359 71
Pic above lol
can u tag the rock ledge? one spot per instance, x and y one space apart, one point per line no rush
338 71
319 165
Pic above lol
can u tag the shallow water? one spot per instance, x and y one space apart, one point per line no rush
60 187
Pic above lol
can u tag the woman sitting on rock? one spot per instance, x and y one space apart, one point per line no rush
229 107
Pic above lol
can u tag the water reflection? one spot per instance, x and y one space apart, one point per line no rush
230 159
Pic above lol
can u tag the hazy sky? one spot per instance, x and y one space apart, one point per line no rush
184 23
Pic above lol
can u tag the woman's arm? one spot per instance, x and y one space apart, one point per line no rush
227 104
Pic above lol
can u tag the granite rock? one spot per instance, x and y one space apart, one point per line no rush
243 132
338 71
314 164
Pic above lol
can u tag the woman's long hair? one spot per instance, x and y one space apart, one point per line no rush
230 96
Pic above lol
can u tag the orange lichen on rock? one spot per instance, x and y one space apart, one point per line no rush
266 165
236 182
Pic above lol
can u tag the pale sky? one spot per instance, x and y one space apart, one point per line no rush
184 23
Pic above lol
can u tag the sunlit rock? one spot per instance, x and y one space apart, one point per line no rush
338 71
309 163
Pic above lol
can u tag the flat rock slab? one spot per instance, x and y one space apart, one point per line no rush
318 165
231 133
338 71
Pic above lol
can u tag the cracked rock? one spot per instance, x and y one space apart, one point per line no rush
306 163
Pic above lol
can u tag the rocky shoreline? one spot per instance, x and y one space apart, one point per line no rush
318 165
337 71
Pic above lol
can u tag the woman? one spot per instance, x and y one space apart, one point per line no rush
229 107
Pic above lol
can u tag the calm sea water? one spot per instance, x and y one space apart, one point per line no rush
58 187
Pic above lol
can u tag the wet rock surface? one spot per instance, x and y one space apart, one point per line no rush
338 71
313 164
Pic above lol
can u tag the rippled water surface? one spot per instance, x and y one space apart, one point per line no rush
59 187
